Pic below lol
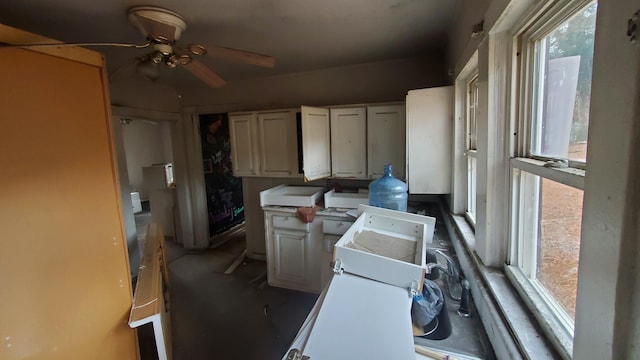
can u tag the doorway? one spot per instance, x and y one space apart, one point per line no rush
225 207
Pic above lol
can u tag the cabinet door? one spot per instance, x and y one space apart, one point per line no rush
349 142
316 143
278 154
429 128
386 140
242 129
291 257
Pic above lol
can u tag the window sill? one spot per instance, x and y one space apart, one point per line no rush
510 326
568 176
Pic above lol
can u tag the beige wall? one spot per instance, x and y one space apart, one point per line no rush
65 287
373 82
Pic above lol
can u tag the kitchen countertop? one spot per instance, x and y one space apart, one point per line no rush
468 339
321 210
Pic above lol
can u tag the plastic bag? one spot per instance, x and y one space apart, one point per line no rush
426 306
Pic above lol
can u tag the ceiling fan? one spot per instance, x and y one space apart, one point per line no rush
162 28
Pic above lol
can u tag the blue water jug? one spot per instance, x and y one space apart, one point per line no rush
388 192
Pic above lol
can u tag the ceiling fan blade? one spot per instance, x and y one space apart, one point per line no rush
55 43
202 72
156 29
246 57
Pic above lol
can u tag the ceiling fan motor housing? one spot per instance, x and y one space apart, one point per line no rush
157 24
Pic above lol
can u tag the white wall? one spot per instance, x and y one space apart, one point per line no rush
374 82
461 45
146 142
608 306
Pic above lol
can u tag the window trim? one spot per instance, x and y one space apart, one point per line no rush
459 179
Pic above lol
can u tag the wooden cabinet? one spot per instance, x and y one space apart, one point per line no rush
332 228
278 151
386 140
290 258
244 144
316 140
364 139
299 255
354 142
66 289
293 250
349 142
264 143
429 134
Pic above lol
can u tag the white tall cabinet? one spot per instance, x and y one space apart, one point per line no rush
429 147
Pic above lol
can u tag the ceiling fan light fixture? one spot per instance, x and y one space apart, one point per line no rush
196 49
148 69
184 59
156 57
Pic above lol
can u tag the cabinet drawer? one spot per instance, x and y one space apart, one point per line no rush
336 227
289 222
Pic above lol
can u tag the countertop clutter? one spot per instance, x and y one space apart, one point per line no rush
328 250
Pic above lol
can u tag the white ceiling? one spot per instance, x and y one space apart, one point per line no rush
302 35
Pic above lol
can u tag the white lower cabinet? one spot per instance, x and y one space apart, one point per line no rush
291 257
332 229
299 255
293 250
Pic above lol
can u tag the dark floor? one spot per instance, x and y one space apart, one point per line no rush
218 316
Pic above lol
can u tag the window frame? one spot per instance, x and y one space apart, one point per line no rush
471 145
520 262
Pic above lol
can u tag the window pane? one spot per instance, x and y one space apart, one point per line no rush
472 113
559 244
471 187
562 92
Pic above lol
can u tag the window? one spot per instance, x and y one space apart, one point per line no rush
471 146
555 61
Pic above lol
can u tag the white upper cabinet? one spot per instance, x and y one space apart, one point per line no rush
278 151
386 140
244 144
429 148
316 143
349 142
344 142
264 143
